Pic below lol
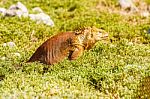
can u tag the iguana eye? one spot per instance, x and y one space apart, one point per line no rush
99 32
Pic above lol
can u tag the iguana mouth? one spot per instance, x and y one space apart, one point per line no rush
102 37
105 36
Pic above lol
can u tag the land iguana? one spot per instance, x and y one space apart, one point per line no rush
68 44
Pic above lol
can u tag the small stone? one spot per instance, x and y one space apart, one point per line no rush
22 7
11 44
17 54
17 10
2 10
42 18
37 10
125 4
45 19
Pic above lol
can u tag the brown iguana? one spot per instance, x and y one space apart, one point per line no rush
68 44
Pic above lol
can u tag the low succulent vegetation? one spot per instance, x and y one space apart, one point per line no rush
114 68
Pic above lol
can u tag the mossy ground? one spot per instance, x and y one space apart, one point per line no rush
112 69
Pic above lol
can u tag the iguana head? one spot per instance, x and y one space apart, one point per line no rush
97 34
91 34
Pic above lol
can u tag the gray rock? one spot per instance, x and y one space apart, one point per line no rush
125 4
42 18
17 10
20 10
22 7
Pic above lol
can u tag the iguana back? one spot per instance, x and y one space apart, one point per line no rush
54 49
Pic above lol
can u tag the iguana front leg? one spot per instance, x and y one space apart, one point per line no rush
78 51
89 44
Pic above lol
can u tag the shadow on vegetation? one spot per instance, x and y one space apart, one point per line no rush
144 89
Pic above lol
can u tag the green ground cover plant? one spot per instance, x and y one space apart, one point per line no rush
113 69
